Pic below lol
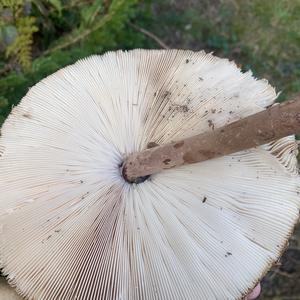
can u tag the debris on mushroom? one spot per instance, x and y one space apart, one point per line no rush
73 228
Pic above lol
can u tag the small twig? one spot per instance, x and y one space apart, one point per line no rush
76 37
80 36
271 124
150 35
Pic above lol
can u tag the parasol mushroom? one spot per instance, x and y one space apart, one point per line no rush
73 228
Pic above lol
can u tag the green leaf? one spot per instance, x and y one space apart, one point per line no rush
57 5
89 14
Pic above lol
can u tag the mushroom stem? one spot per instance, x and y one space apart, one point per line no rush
273 123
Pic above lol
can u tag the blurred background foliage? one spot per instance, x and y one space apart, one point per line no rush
38 37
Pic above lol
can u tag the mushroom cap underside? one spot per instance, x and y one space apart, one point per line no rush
72 228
